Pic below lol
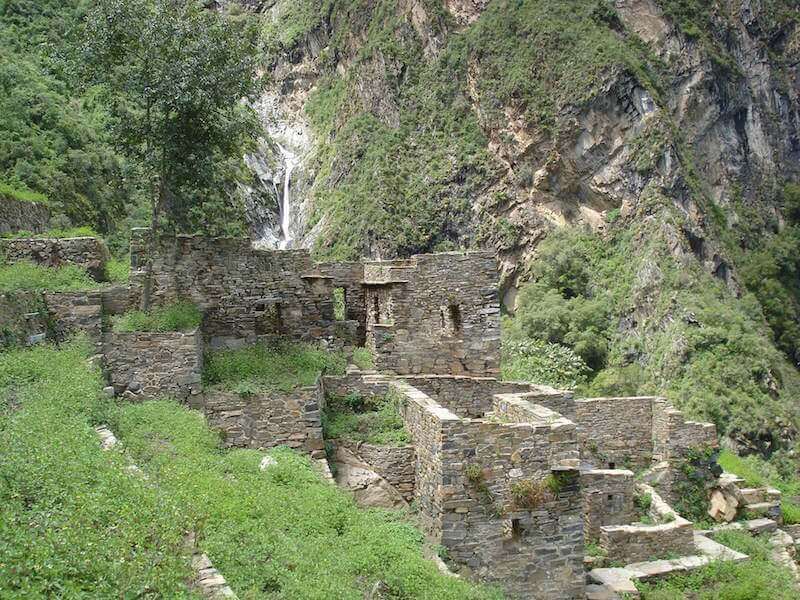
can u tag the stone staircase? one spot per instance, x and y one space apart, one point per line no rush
761 502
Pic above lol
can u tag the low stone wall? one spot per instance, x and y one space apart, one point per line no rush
355 382
87 252
467 471
672 535
607 500
615 432
74 312
144 365
266 419
20 215
396 464
472 396
116 300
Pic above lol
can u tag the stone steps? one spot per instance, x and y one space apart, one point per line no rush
612 583
752 526
771 510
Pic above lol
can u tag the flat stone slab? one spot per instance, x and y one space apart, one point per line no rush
752 526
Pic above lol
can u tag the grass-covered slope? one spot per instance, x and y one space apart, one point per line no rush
283 532
73 523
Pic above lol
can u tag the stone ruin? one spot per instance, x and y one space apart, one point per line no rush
513 481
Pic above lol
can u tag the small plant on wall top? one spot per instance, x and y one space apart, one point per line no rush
529 494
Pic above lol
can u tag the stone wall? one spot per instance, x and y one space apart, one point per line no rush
87 252
396 464
473 396
607 499
467 470
73 312
19 215
639 543
616 432
144 365
437 313
246 294
266 419
673 434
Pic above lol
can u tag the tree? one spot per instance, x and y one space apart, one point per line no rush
176 77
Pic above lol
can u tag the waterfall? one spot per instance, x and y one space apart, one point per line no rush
290 161
274 201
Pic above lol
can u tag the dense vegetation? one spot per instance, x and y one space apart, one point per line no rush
375 420
643 320
26 275
76 522
262 367
177 316
73 522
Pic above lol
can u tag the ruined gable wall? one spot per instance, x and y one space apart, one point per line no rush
87 252
437 314
616 430
246 294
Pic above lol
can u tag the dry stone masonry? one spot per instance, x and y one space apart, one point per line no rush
87 252
20 215
512 479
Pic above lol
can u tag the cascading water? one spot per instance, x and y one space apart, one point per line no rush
274 198
290 161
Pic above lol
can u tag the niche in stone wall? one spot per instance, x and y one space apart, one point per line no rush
450 317
269 319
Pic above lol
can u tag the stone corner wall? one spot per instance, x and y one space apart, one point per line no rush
434 313
87 252
20 215
266 419
145 365
396 464
467 470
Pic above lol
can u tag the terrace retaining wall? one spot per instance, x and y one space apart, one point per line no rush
144 365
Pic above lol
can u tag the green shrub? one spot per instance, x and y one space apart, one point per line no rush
26 275
373 420
73 522
70 232
118 271
283 532
178 316
363 359
284 366
543 363
15 193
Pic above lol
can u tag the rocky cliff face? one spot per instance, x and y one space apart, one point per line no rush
698 102
665 128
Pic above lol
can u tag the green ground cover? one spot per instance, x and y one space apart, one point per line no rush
23 195
69 232
178 316
24 275
756 579
284 367
282 533
356 418
73 523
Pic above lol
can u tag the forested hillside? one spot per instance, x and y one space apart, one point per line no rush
634 164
